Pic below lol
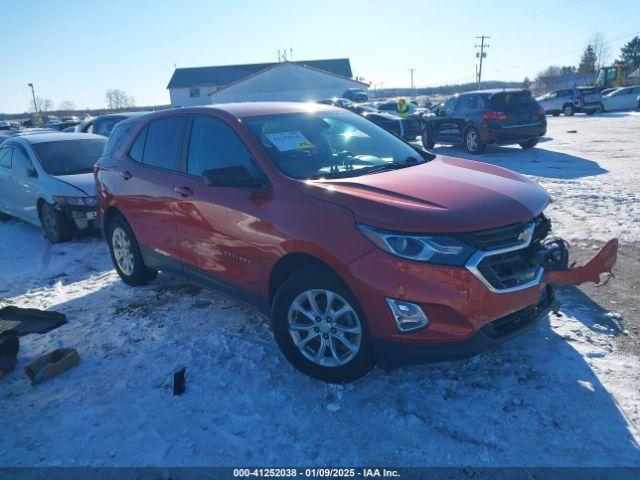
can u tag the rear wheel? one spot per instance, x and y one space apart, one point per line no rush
427 141
568 110
473 142
555 114
529 143
320 327
56 225
126 255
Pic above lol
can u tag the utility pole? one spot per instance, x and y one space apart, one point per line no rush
481 54
413 93
35 104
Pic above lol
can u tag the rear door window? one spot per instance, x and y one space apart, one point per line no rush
163 144
214 144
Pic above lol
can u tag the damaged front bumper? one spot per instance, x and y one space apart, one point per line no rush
84 217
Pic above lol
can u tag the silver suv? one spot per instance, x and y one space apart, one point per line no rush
572 100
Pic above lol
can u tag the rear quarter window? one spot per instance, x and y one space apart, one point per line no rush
118 135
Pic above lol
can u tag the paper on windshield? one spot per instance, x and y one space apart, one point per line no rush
285 141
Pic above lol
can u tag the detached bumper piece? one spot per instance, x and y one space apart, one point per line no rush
602 262
391 355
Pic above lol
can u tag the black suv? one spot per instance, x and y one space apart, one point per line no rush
476 119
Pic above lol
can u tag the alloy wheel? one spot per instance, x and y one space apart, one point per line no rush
324 327
122 251
472 140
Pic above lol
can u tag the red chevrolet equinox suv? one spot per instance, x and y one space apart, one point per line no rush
364 249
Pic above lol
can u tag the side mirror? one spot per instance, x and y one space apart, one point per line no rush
236 176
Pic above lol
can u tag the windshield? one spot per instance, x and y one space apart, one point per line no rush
68 157
330 145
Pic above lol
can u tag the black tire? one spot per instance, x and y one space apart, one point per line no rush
556 114
140 273
591 112
319 278
427 141
568 110
57 227
474 146
601 108
529 143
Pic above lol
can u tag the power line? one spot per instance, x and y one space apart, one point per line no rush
481 54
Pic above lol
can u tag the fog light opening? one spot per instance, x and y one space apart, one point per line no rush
408 316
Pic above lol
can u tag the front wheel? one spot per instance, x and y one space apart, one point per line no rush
320 327
473 142
56 225
529 143
126 255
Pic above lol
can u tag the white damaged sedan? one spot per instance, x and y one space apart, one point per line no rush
47 179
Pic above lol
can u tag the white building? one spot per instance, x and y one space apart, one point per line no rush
285 81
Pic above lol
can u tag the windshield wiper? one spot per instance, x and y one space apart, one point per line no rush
408 162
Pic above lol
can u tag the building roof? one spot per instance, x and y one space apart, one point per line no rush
226 74
276 65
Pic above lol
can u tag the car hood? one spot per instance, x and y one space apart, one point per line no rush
82 181
445 195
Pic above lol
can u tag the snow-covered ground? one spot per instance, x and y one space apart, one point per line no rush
560 395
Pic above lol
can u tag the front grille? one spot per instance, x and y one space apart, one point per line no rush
516 321
504 237
507 259
509 270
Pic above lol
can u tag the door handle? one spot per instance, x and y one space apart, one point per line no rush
183 191
126 175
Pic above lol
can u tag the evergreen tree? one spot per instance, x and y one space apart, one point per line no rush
630 54
588 62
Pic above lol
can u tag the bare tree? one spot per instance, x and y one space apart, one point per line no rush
67 105
601 50
41 105
117 99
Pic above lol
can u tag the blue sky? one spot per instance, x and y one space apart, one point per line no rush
76 50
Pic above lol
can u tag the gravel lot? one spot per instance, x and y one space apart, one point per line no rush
564 395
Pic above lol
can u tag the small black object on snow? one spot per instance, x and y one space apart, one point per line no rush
572 131
178 382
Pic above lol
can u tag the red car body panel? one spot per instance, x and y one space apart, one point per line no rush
238 236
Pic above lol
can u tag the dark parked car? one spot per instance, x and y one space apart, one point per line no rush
476 119
407 128
356 95
363 248
103 124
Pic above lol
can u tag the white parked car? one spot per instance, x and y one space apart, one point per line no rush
47 179
621 99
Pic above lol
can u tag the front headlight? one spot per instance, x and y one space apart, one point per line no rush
440 249
75 201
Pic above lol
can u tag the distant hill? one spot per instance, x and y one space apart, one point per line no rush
442 89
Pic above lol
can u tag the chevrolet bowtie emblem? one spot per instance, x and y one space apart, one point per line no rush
524 236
